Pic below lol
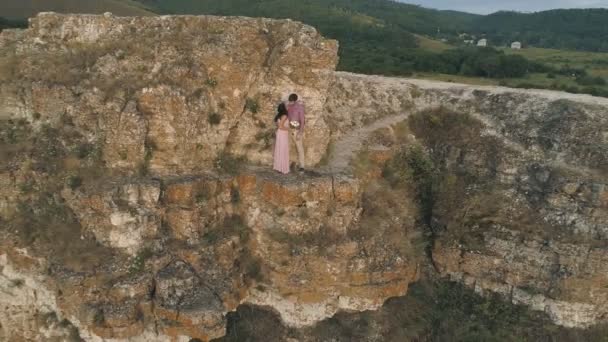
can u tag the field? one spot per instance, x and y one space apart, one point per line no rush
594 63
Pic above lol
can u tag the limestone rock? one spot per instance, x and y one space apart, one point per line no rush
126 140
173 100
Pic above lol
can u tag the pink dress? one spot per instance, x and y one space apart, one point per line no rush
281 149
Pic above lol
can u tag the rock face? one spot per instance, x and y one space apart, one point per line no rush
186 90
127 211
288 244
520 208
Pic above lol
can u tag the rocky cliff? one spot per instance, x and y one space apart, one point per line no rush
136 203
516 185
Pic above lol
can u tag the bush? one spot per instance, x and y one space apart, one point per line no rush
252 105
229 227
139 261
211 82
82 151
265 137
214 119
235 195
229 163
591 81
74 182
412 166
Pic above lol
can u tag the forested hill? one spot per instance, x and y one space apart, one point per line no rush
409 17
18 10
573 29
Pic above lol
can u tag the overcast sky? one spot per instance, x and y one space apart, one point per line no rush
490 6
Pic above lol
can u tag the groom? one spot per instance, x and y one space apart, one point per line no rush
295 110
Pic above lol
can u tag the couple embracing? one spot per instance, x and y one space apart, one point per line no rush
290 121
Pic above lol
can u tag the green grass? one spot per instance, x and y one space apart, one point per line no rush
432 45
595 63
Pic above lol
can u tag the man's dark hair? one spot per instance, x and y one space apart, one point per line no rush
293 97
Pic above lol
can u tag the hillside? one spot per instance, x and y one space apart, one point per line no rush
574 29
19 9
405 16
579 29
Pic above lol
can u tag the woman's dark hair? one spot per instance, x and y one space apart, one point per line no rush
293 97
281 110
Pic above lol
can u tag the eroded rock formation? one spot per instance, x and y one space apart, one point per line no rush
128 213
520 206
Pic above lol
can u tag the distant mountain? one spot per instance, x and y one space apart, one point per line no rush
576 29
20 9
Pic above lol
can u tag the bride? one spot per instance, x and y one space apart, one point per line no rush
281 147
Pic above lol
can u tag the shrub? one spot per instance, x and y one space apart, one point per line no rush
229 163
16 283
143 169
203 196
214 119
27 186
591 81
82 151
235 195
265 137
252 105
211 82
139 261
74 182
229 227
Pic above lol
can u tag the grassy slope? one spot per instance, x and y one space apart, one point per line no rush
432 45
16 9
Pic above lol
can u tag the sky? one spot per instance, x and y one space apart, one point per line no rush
490 6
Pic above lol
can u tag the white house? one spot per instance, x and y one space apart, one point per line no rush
516 46
482 42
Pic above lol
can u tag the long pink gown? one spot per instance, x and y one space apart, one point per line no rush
281 149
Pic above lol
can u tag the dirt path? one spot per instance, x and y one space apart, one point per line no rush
346 147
